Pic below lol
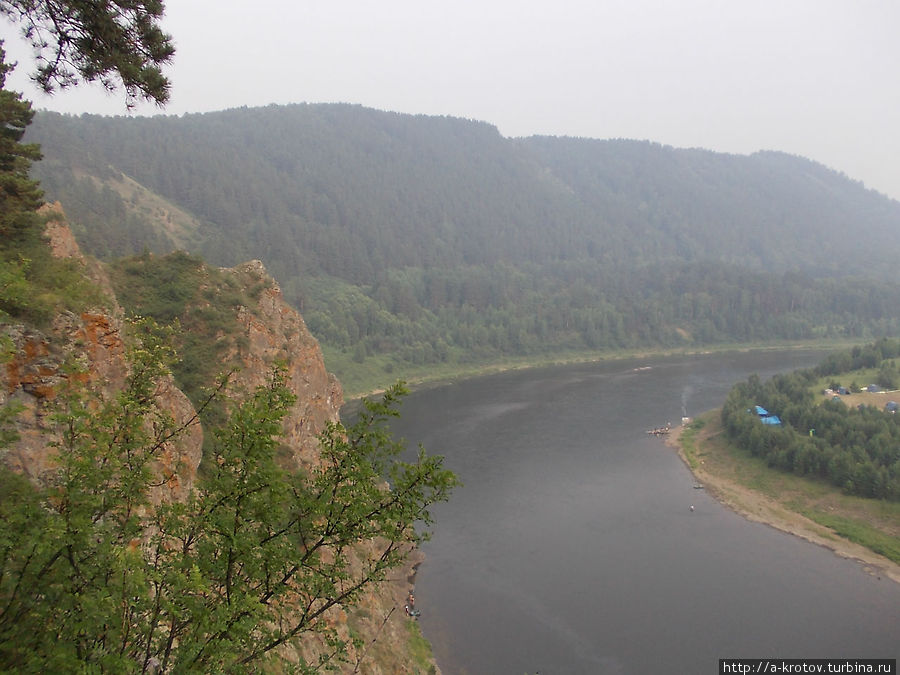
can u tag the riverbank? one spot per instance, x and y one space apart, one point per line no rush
369 380
862 529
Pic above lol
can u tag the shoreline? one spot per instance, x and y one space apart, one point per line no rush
417 380
758 507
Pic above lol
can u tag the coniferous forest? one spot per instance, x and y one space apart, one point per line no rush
423 240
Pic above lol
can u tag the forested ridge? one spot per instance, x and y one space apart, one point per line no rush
415 239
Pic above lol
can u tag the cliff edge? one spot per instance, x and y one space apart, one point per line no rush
88 349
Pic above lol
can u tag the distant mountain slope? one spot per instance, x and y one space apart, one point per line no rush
420 239
365 189
768 211
346 190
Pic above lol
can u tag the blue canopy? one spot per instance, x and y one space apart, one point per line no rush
762 412
771 419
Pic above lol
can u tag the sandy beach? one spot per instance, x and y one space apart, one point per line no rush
756 506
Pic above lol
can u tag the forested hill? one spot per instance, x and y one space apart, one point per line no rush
422 239
769 210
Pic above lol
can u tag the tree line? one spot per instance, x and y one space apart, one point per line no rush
420 239
854 448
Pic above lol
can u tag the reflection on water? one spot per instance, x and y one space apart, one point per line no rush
571 547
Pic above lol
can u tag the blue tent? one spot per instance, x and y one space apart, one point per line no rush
762 412
774 420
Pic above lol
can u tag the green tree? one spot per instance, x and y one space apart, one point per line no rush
856 448
113 42
888 375
14 287
19 195
94 577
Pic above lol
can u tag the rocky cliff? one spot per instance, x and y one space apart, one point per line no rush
270 331
273 332
86 350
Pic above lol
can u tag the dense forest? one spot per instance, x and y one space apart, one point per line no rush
856 448
419 240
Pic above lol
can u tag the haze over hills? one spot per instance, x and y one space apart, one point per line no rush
415 239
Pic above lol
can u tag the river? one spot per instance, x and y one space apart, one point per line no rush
572 548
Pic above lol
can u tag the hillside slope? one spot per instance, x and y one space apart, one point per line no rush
418 190
413 240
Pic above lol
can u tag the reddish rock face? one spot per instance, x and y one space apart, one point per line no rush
94 343
272 332
59 236
275 332
87 351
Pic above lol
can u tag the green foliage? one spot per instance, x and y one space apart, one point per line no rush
111 42
861 533
859 357
422 241
19 195
14 287
420 647
115 218
888 375
96 578
181 288
857 449
70 551
159 287
10 411
35 286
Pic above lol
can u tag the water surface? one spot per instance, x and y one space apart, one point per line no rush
571 547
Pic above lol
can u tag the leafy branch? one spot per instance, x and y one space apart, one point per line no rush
257 557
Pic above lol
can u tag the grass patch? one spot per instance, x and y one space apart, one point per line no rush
35 286
689 441
873 524
858 532
202 300
420 648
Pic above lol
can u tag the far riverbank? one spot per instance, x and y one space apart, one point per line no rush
369 379
850 526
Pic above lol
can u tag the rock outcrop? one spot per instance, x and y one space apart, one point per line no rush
274 332
270 332
87 349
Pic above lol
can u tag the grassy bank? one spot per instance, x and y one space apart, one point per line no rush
377 372
855 527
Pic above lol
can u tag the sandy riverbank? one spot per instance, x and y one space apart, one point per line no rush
712 471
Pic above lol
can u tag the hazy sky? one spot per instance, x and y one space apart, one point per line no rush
818 78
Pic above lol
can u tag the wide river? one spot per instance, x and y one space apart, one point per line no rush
571 547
